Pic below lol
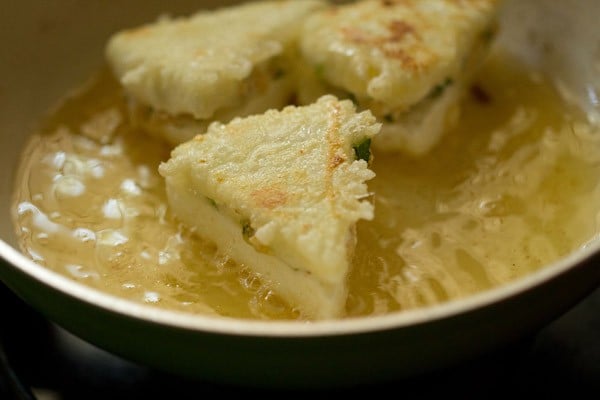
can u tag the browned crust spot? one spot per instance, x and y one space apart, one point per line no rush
269 197
396 44
336 161
334 146
399 29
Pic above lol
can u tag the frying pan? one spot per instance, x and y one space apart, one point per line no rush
48 48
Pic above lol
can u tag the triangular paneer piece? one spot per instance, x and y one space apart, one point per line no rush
182 73
281 193
408 61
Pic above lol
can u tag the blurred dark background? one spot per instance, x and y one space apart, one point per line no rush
41 361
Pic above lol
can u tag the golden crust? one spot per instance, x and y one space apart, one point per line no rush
293 184
395 51
200 64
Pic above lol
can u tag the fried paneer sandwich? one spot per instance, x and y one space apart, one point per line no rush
281 194
408 61
181 74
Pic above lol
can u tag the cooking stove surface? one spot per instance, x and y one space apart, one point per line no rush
43 362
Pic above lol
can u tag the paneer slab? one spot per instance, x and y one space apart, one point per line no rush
408 61
180 74
281 193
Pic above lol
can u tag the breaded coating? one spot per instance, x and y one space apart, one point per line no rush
184 72
281 193
399 58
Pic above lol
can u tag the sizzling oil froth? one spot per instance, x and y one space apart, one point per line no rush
512 188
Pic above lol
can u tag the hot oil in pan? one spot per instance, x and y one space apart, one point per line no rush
512 188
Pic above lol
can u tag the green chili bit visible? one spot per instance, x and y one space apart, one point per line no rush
278 73
247 229
439 89
212 202
320 71
489 34
363 150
